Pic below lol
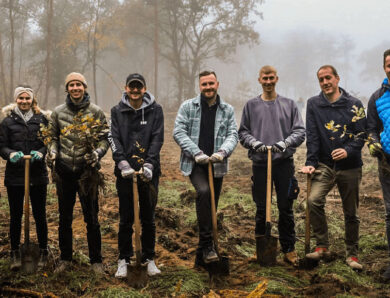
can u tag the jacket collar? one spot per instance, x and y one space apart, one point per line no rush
196 101
84 103
341 102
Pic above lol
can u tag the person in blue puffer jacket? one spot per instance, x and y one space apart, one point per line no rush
378 129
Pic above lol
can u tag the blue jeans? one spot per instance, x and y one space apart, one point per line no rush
282 174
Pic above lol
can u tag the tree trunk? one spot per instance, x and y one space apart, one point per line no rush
48 51
155 48
94 52
12 48
21 50
4 97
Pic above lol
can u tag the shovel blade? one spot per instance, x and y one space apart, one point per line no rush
266 250
30 257
137 275
220 267
307 263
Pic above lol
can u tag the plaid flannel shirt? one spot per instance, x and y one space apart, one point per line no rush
187 129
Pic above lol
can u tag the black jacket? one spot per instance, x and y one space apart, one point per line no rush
321 141
129 127
16 135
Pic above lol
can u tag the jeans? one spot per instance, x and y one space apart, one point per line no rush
348 184
38 205
67 187
282 175
147 204
385 183
200 181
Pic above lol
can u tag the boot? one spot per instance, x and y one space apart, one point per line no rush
353 262
386 274
318 253
16 260
291 258
43 253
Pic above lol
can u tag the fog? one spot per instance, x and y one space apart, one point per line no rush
108 39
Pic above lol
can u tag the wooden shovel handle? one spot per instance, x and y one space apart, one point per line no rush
137 226
213 208
27 198
269 186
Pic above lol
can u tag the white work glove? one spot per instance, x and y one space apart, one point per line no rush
126 170
50 158
279 147
218 156
147 172
259 147
201 158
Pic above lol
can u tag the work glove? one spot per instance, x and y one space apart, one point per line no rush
147 172
201 158
14 157
279 147
50 158
36 155
218 156
259 147
375 149
92 158
126 170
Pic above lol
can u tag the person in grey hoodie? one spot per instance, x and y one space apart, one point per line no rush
273 120
136 137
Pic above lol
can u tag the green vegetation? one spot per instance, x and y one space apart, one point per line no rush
122 293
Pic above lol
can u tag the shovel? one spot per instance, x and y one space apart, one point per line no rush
137 276
267 245
220 267
29 251
307 263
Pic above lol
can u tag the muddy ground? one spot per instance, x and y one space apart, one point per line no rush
177 240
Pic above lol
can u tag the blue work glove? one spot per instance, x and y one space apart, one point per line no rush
126 170
36 155
147 172
279 147
14 157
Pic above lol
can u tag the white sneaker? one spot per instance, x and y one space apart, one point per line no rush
122 269
152 268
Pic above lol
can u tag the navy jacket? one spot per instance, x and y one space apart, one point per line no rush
129 127
17 135
321 141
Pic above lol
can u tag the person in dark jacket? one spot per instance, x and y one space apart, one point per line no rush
136 137
18 137
337 157
378 129
71 162
258 129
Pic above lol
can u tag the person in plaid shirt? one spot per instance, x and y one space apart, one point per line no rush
206 130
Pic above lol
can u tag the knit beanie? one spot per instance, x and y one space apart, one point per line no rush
75 76
20 90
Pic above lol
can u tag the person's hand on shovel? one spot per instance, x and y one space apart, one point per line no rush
218 156
308 170
14 157
201 158
126 170
146 172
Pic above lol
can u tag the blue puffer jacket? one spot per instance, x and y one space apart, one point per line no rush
321 141
383 109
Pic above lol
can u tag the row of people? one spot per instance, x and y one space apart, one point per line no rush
206 131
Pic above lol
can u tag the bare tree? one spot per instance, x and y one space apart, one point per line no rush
48 49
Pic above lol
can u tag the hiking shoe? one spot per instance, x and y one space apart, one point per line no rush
209 255
386 274
318 253
122 269
16 260
43 253
152 268
291 258
98 268
62 266
353 262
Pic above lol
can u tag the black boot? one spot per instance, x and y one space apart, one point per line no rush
43 253
386 274
16 261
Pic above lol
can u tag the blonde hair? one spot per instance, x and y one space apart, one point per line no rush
266 69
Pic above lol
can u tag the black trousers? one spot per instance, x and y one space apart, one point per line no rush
199 179
147 203
282 175
38 205
67 187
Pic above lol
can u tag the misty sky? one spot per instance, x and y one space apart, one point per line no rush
365 23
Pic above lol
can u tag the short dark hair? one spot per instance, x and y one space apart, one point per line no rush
385 54
207 73
329 66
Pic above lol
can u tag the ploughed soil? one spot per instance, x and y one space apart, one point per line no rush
176 239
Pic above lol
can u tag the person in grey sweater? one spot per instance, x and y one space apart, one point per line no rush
273 120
